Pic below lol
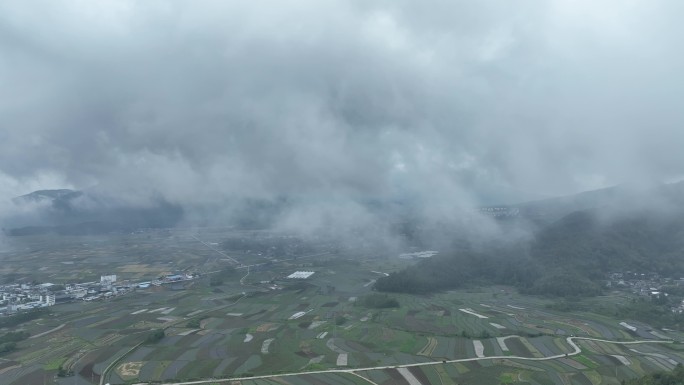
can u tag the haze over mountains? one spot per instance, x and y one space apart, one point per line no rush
619 210
575 241
390 117
257 165
69 212
561 246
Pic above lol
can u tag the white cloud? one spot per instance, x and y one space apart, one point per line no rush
207 99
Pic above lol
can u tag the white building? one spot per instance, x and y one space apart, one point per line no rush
48 299
107 279
300 275
79 293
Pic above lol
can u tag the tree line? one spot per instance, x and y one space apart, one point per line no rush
675 377
569 258
20 318
8 341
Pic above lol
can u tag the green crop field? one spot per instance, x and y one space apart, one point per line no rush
262 324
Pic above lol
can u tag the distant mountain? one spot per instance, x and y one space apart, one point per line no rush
69 212
48 195
621 198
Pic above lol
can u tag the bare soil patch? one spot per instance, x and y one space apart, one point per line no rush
129 370
264 327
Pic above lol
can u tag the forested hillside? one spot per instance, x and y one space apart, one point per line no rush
569 257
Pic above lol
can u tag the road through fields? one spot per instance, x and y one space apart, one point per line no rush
570 341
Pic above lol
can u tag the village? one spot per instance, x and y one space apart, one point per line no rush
26 296
651 285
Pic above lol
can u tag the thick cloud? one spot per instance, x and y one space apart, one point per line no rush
450 103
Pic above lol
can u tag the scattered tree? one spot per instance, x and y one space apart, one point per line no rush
155 336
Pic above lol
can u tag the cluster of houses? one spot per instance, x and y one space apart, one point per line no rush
168 278
646 284
499 212
24 296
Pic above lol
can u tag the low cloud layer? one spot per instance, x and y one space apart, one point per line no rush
451 105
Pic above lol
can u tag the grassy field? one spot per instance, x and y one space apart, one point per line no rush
252 329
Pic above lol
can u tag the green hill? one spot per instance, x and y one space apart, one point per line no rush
616 230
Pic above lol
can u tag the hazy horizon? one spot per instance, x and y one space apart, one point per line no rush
452 105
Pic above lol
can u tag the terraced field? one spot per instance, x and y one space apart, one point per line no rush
251 329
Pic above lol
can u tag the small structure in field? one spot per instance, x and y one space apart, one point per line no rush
300 275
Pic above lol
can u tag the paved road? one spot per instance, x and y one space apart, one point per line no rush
217 250
367 379
570 341
47 332
242 280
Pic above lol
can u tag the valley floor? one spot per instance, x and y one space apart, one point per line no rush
315 331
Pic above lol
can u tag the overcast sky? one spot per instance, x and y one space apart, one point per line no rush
444 100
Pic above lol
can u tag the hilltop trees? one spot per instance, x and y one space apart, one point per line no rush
445 272
568 258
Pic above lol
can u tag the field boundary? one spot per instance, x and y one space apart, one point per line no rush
569 340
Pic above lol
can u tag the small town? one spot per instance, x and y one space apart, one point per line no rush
17 297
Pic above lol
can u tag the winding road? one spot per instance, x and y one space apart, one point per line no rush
570 341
